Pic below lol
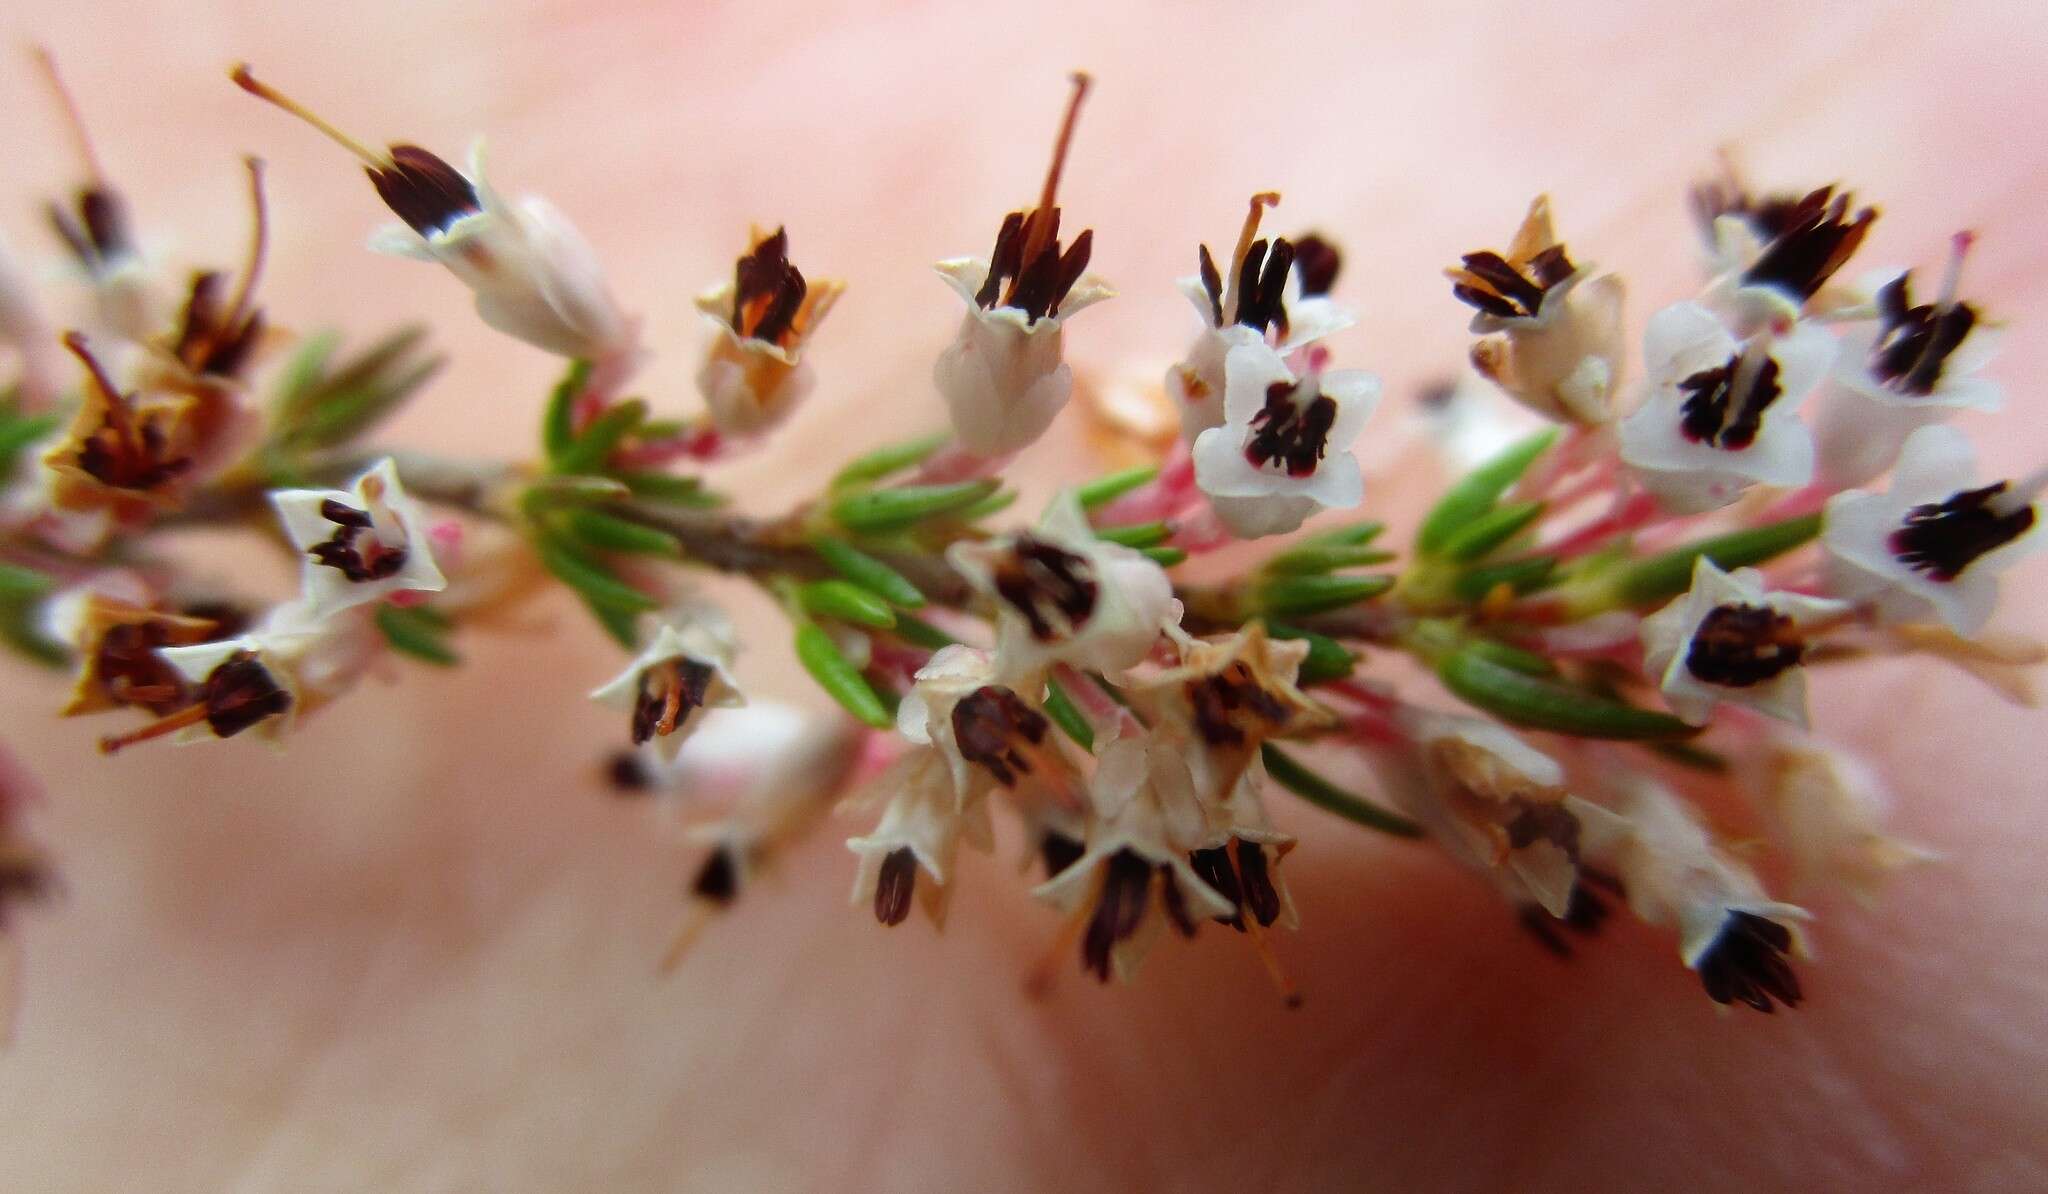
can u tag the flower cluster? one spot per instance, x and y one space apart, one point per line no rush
1622 613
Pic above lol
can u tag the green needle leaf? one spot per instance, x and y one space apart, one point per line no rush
1297 595
1067 716
1483 534
868 572
835 673
1103 490
557 425
419 636
606 532
1662 577
879 511
1479 490
1311 559
589 576
1327 658
590 450
1546 704
1141 534
891 458
848 602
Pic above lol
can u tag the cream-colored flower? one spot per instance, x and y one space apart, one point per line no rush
1492 801
1553 336
1914 365
754 374
1776 270
1227 696
1134 877
920 830
988 735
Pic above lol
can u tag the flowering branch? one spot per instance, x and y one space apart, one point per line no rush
1646 575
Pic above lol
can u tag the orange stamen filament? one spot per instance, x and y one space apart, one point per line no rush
1289 993
1041 217
248 82
1245 236
695 920
1038 981
72 116
169 723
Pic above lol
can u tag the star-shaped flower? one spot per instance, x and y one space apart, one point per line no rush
1283 451
360 544
1720 413
1935 542
1729 640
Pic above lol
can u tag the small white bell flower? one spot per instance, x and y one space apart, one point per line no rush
754 374
1283 451
534 276
920 830
1134 878
1914 365
1728 639
361 544
1226 697
1274 294
1730 931
1554 336
987 734
1062 595
683 671
1003 377
1492 801
1720 412
1935 542
263 680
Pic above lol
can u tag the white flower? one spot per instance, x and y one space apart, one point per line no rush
920 829
1493 801
1934 543
1276 294
682 672
264 680
1283 451
1729 640
1912 366
1729 930
1062 595
534 276
1554 330
1827 810
1003 377
1777 269
1134 877
753 374
360 544
984 730
1719 415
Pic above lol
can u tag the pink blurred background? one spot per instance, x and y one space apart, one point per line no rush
416 952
